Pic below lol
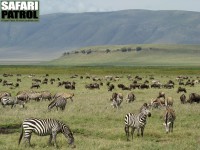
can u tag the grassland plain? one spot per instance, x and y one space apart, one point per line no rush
96 125
149 55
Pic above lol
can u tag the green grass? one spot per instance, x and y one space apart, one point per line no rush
96 125
150 55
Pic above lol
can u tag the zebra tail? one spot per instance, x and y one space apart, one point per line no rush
21 135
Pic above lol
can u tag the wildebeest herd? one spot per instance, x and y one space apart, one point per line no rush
113 84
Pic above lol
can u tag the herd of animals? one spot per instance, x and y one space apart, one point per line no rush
59 100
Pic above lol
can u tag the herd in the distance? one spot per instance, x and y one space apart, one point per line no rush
133 121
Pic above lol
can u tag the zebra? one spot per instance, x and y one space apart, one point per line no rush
169 119
59 102
3 94
136 121
11 101
44 127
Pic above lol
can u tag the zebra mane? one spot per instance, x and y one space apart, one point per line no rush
166 116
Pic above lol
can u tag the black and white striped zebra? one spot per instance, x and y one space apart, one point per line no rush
11 101
136 121
59 102
44 127
169 119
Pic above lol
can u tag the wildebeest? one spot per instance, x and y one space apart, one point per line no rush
130 97
116 99
144 86
161 94
92 86
134 86
158 102
183 99
36 80
181 89
22 97
70 86
46 95
193 97
111 87
169 101
34 96
168 86
5 82
35 85
156 85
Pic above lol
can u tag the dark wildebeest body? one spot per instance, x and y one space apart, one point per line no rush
180 89
183 98
130 97
193 97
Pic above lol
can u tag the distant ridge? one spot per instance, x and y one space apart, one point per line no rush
56 33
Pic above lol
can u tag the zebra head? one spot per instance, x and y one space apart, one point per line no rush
146 111
167 126
68 134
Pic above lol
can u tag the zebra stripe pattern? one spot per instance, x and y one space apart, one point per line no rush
169 119
58 103
11 101
43 127
136 121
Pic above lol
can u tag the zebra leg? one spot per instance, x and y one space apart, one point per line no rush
172 126
132 132
138 131
126 128
54 133
50 139
28 139
142 131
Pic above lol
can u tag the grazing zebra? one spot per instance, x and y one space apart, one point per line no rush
43 127
11 101
136 121
169 118
59 102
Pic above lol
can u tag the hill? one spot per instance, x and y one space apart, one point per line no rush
56 33
131 55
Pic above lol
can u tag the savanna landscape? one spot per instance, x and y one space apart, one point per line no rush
86 63
91 117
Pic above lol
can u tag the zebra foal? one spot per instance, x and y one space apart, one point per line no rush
43 127
136 121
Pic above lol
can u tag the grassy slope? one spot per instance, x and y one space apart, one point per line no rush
151 55
96 125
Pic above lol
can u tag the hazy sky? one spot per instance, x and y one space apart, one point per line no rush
77 6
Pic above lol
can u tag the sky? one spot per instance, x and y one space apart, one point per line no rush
78 6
